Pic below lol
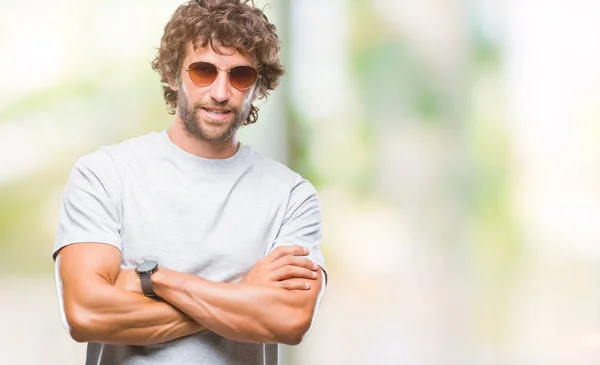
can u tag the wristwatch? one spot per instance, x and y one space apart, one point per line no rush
145 271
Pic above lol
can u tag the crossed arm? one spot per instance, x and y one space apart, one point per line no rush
101 303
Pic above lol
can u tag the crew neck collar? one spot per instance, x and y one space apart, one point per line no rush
178 152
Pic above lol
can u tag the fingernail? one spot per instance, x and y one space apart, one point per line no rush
307 285
314 274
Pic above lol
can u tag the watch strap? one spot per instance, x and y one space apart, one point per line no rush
147 285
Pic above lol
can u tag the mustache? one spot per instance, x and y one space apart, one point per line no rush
223 105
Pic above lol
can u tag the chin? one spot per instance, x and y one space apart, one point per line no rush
216 134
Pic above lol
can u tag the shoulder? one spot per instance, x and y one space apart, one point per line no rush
98 163
108 157
281 175
105 163
133 148
270 169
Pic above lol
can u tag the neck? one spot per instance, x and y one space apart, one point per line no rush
201 147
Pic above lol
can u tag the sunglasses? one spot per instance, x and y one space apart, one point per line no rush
240 77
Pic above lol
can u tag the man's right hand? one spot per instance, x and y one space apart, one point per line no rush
284 268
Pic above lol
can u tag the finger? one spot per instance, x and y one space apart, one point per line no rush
288 272
294 261
282 251
294 284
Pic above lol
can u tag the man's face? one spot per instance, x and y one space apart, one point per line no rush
213 112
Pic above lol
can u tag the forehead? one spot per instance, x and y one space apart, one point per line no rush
226 56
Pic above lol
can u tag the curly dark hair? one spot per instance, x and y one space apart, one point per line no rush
230 23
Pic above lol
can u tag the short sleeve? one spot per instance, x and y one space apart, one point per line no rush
302 226
90 208
302 222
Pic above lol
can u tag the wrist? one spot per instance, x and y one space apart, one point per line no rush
158 281
145 270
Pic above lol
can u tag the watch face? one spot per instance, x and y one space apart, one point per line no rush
146 267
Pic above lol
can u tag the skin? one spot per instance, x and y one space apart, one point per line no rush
274 302
197 131
95 309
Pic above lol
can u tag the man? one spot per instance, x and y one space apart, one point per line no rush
185 246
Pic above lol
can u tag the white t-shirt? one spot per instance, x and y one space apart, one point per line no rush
211 217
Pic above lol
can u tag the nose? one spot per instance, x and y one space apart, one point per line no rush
220 88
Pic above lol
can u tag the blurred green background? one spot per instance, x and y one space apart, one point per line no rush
454 145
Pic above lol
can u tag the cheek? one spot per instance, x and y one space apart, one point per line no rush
192 93
183 88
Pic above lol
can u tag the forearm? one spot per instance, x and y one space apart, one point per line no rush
112 315
238 311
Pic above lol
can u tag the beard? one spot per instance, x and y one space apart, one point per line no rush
223 132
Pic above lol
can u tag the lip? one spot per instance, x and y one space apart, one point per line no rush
215 116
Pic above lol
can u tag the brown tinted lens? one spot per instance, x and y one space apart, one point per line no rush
242 77
203 73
